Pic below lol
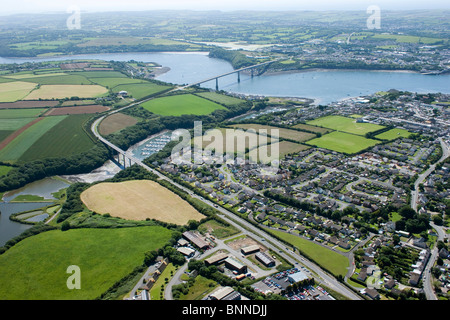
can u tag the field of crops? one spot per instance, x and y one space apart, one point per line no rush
67 91
35 268
65 138
16 148
16 90
181 104
139 200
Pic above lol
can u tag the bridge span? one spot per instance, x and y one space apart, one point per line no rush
238 71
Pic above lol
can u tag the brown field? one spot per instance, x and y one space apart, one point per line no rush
308 127
295 135
139 200
116 122
28 104
69 66
242 138
77 110
240 243
284 148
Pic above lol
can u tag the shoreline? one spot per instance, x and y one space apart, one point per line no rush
280 72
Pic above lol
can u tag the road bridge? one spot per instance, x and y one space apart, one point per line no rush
238 71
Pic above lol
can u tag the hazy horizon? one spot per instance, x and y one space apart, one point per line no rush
51 6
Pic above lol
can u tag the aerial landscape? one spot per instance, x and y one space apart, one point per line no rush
256 157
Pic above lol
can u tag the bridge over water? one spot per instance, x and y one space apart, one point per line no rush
238 71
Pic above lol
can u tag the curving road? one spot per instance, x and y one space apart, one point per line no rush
245 227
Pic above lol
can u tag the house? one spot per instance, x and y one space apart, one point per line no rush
372 293
362 276
414 279
390 284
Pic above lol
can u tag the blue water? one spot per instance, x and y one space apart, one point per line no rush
323 86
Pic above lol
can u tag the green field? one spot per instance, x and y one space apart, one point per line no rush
220 98
58 79
64 139
99 74
345 124
393 134
16 90
343 142
21 113
16 148
407 39
14 124
334 262
140 90
5 133
35 268
181 104
4 170
113 82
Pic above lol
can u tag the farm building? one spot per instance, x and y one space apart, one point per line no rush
265 259
216 259
200 243
232 263
250 249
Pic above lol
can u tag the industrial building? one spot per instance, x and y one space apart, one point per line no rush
221 293
250 249
198 242
265 259
188 252
297 277
233 264
216 259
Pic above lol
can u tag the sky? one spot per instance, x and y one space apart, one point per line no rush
44 6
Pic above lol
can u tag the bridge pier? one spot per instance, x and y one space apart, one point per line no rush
252 72
239 77
217 84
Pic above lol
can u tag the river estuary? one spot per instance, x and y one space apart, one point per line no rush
324 86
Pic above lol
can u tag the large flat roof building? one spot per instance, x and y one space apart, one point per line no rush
233 263
200 243
265 259
250 249
221 293
216 259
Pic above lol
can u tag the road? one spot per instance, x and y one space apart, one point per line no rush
426 278
424 175
243 225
